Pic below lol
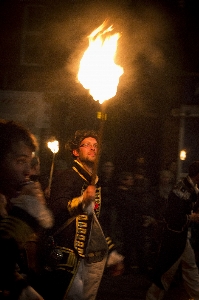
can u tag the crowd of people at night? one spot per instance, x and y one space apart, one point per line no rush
58 245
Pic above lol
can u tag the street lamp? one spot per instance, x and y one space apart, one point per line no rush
183 154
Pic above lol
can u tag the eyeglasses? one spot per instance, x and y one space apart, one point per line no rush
89 145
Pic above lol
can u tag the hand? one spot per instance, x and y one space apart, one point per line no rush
89 195
33 188
115 263
194 217
114 258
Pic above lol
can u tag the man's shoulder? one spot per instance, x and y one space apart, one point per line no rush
69 170
67 173
67 178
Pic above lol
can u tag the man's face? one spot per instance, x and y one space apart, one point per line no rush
15 168
87 151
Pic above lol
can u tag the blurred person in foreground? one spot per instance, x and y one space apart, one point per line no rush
182 210
24 214
76 204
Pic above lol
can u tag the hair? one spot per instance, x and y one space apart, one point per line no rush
194 169
12 133
80 135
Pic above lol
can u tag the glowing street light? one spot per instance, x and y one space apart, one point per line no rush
183 155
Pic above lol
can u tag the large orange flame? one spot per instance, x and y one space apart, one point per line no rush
98 72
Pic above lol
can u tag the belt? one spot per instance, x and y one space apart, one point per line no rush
95 256
69 260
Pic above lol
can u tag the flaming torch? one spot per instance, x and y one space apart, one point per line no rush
98 71
54 147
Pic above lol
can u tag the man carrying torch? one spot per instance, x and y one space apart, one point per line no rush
76 205
82 247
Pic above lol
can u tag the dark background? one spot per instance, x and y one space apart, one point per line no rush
42 43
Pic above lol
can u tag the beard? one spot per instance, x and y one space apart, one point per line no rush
88 159
88 162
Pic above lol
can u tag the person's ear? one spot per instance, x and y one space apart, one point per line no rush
76 152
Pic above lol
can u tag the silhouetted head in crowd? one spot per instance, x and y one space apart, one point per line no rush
17 147
126 180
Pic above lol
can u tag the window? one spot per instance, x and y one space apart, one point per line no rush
32 46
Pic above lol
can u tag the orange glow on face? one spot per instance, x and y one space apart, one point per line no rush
98 72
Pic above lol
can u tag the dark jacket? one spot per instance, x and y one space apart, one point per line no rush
19 250
72 231
182 201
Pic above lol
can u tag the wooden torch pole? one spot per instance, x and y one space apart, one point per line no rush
103 117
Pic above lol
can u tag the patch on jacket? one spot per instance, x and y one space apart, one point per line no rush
182 193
